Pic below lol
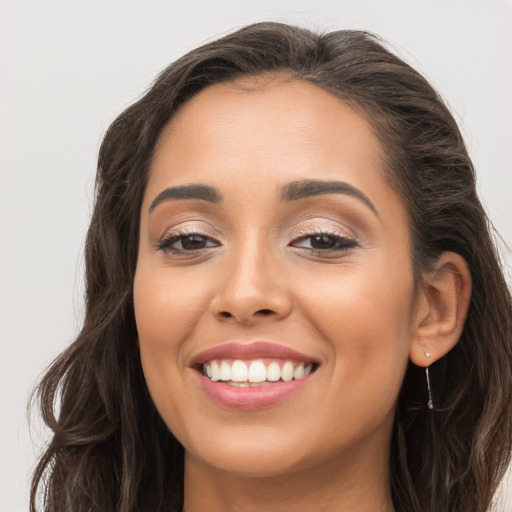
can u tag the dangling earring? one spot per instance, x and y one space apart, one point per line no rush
430 404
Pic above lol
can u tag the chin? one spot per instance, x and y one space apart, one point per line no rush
249 463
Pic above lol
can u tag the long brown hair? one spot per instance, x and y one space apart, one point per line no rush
111 451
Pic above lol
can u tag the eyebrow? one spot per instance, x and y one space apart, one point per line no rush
311 188
193 191
291 192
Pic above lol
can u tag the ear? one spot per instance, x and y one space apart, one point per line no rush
441 309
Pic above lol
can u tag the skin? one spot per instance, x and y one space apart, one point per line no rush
355 310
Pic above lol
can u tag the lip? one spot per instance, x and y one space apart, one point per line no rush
254 350
250 398
246 399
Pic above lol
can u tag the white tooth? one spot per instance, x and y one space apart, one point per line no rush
307 369
273 372
225 371
239 384
298 373
215 371
239 371
287 371
207 368
257 372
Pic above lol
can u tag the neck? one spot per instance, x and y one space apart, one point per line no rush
359 483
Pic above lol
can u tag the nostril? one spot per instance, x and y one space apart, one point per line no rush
226 314
265 312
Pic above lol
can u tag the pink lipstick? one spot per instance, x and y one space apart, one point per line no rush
252 375
258 349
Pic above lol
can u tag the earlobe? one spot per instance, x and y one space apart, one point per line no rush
442 309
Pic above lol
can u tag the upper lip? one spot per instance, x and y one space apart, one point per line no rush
254 350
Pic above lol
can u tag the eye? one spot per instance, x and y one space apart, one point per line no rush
324 242
186 242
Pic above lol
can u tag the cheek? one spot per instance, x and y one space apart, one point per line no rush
368 302
365 319
167 305
165 319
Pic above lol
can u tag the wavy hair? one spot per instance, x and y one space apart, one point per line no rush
111 451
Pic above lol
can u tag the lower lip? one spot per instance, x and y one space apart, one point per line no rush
257 397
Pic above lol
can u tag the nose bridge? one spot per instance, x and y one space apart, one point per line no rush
251 288
252 266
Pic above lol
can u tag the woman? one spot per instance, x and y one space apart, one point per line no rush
293 300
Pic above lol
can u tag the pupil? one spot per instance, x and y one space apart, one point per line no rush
193 242
322 242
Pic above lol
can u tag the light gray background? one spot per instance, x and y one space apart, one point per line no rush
69 67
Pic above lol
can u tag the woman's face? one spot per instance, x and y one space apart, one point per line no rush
272 245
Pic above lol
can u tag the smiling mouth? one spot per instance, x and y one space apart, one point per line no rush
250 376
255 373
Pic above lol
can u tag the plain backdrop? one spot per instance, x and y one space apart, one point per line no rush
68 68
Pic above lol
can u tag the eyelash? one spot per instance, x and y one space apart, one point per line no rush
341 243
176 236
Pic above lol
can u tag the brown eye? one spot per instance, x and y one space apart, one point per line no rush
324 242
186 243
193 242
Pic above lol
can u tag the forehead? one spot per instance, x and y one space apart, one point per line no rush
256 107
270 130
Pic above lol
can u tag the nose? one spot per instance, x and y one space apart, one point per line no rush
251 289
